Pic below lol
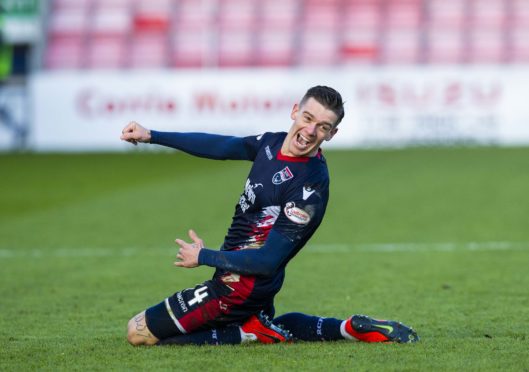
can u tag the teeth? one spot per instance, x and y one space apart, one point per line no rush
302 140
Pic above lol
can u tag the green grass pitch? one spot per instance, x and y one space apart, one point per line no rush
435 238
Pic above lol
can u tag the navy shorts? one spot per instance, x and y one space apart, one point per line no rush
215 303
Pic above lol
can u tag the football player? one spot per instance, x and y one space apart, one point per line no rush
282 204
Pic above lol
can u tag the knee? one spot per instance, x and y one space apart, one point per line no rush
132 336
138 333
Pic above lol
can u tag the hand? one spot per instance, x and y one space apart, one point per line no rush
135 133
188 252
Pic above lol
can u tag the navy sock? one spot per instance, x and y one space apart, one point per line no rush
310 328
223 336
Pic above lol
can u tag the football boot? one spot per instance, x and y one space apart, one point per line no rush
367 329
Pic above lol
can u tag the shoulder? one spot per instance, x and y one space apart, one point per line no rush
255 143
314 171
271 138
268 138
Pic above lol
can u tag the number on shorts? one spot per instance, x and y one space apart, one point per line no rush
200 294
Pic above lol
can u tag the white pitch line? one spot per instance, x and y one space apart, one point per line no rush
420 247
84 252
6 253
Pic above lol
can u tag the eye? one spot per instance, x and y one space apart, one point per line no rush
306 118
325 128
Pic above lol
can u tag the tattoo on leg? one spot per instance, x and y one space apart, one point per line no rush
142 327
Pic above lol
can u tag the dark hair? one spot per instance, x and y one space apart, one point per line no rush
328 97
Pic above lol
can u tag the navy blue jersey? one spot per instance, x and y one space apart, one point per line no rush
282 204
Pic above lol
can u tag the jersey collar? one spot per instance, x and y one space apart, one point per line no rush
296 159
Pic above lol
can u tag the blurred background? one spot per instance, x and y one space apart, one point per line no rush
412 72
427 226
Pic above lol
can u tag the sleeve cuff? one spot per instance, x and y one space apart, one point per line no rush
206 256
155 137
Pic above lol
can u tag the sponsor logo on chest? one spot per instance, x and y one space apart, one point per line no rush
283 175
295 214
248 196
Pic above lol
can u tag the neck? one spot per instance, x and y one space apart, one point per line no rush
285 151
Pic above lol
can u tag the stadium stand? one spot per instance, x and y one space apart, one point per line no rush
119 34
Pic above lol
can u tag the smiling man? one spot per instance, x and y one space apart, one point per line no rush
282 204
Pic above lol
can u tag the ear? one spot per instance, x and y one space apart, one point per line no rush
294 112
331 134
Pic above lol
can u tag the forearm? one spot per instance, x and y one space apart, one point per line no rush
265 261
204 145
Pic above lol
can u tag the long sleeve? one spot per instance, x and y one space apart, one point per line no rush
302 211
205 145
264 261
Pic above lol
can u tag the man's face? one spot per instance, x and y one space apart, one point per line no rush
313 124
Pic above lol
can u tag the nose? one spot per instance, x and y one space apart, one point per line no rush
311 129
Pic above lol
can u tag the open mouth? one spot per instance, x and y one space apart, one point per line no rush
301 141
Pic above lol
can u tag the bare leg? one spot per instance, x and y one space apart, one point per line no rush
138 333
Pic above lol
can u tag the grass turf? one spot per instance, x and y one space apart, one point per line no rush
86 241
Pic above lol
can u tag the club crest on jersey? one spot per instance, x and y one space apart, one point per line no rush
283 175
295 214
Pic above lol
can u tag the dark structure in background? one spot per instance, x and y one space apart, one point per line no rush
19 31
